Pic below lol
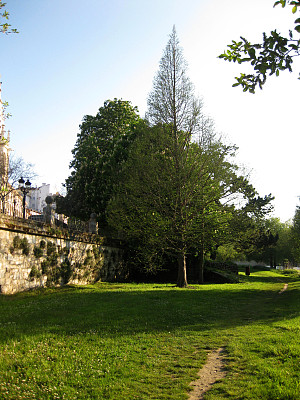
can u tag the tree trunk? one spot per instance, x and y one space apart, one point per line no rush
201 265
182 279
201 257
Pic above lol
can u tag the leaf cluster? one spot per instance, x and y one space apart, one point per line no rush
5 27
273 55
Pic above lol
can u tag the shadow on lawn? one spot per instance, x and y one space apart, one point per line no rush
267 279
70 311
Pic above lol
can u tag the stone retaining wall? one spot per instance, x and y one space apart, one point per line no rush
35 255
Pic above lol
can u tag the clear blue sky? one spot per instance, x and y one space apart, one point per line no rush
70 56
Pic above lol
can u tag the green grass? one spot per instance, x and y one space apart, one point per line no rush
145 341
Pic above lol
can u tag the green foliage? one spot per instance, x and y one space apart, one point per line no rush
227 252
54 231
98 156
51 248
178 175
35 272
172 100
45 266
164 211
247 225
295 236
292 273
5 27
66 270
17 242
22 244
38 252
96 252
273 55
66 251
180 182
89 260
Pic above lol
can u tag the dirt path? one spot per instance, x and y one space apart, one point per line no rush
284 288
211 372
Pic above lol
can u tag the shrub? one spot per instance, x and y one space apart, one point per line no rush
38 252
45 266
25 246
51 248
22 244
66 270
17 242
96 252
34 273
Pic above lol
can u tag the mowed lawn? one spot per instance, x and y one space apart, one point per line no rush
148 341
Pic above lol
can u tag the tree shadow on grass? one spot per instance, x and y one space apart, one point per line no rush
119 312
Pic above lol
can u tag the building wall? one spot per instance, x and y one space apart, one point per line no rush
33 256
36 200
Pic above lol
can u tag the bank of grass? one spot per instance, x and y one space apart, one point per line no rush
128 341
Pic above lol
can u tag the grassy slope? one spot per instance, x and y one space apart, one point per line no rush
112 341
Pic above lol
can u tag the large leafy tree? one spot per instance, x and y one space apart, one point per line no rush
155 217
247 226
172 102
99 153
277 249
274 54
178 175
295 236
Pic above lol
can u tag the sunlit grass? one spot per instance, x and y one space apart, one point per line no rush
145 341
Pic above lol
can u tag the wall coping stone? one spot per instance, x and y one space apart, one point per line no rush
20 225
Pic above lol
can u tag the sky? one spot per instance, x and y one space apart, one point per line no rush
70 56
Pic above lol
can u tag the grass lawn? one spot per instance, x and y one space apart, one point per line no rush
145 341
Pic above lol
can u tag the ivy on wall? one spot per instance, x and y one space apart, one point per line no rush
56 262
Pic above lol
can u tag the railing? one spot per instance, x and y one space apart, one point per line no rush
73 225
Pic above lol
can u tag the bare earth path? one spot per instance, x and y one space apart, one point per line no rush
211 372
284 288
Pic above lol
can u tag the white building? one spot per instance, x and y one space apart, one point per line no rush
36 201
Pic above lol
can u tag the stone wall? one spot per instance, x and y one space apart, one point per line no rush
36 255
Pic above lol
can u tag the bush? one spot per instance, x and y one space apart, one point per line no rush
34 273
51 248
66 271
45 267
38 252
25 246
22 244
17 242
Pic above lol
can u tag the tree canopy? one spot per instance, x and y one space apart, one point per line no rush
179 183
168 185
273 55
99 153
